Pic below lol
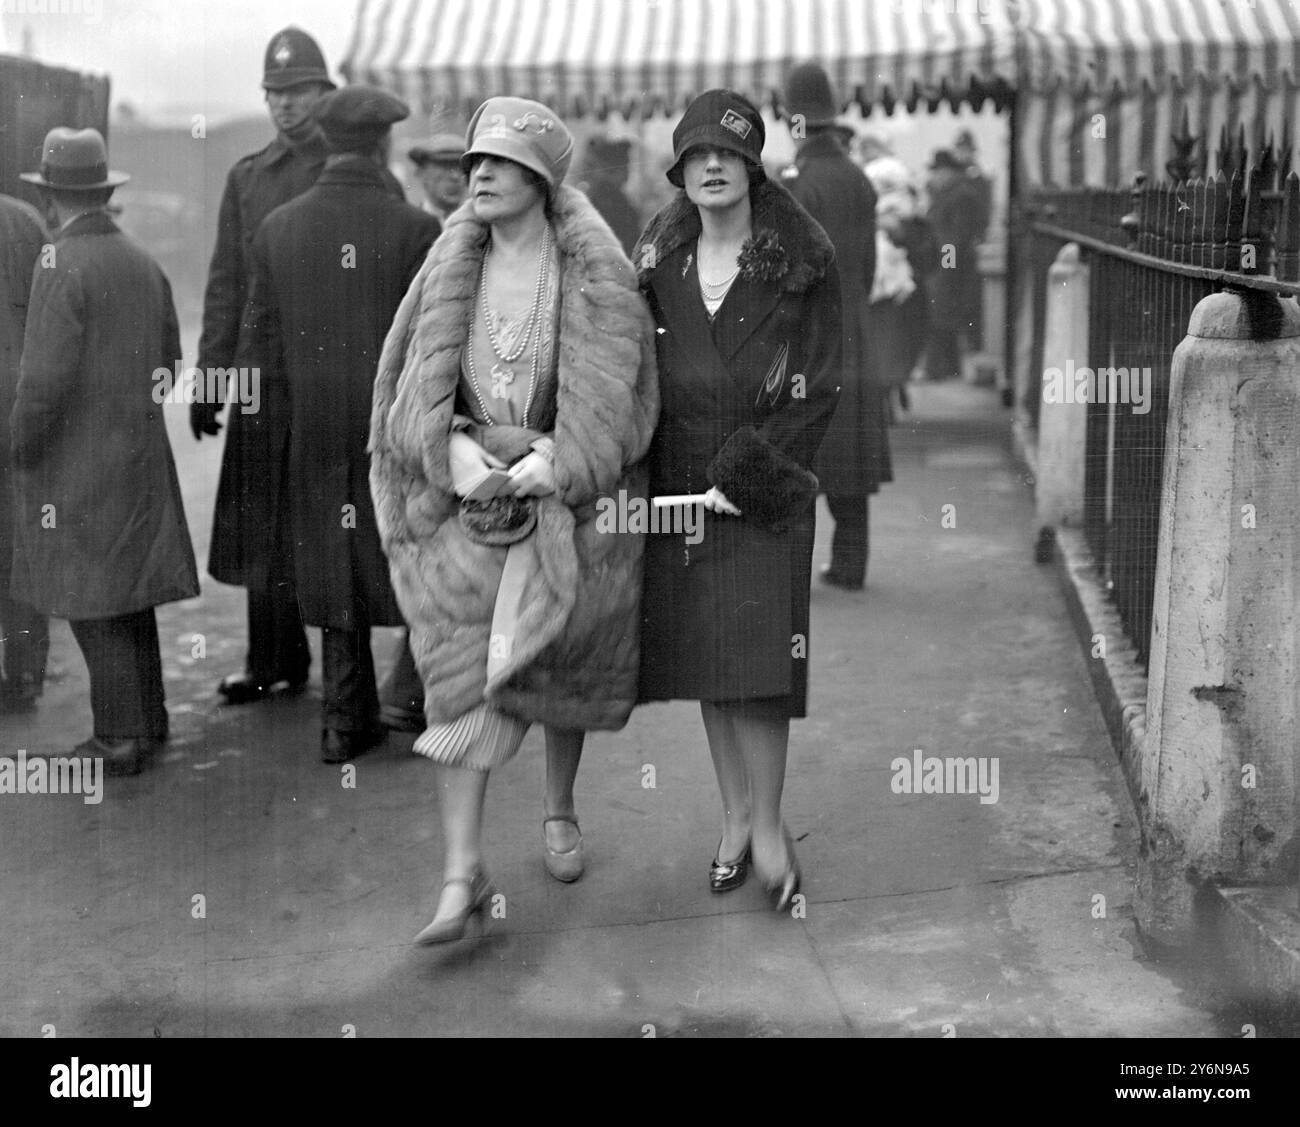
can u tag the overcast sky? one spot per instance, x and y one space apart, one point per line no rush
174 56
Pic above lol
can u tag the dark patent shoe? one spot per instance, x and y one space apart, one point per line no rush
732 874
120 757
834 577
244 688
339 747
454 927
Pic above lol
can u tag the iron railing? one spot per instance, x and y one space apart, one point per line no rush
1155 250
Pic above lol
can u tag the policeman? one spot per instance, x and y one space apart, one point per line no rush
250 546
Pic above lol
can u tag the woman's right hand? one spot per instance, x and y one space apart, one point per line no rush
469 462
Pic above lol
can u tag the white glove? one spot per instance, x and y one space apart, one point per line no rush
469 462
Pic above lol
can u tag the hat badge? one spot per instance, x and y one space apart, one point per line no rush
533 123
737 124
283 52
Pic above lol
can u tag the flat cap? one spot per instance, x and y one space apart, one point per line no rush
446 148
358 113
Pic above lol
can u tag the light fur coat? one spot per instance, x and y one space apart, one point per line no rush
573 662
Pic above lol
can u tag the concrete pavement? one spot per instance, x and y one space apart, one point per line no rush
927 913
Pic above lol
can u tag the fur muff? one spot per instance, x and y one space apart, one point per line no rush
767 486
573 662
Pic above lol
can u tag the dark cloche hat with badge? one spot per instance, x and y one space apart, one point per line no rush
292 58
720 119
358 115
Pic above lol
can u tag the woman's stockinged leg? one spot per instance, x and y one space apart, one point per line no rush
460 799
733 778
563 753
763 738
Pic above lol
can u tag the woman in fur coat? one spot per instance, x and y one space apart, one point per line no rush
743 286
516 388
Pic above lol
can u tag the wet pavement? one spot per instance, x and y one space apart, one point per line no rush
241 887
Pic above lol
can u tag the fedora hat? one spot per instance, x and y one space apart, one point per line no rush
74 160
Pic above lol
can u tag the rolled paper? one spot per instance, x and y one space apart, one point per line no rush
678 499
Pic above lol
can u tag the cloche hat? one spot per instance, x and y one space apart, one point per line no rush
523 131
720 119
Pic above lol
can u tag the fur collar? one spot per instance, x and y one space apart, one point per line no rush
788 244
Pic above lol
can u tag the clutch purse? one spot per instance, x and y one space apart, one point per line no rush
498 521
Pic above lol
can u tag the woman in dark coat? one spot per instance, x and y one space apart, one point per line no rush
742 285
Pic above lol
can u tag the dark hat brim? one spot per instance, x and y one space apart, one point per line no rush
113 180
706 136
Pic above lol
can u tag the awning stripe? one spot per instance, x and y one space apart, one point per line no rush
659 53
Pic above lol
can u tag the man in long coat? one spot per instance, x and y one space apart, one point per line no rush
250 545
329 271
101 537
958 218
854 460
24 634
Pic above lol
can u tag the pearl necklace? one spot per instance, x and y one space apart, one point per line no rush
713 291
504 376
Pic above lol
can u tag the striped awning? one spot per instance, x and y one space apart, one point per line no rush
1158 44
1104 85
584 56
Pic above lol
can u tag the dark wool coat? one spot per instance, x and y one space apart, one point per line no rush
100 528
249 491
21 237
746 402
316 327
957 220
854 457
574 661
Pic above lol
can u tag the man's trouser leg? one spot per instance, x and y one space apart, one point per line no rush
277 639
126 683
25 634
849 543
349 699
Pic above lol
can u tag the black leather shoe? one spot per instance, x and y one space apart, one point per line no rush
121 757
832 576
339 747
398 719
725 877
244 688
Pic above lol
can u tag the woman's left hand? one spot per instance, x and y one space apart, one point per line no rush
533 476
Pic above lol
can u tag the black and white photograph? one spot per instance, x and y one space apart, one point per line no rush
607 519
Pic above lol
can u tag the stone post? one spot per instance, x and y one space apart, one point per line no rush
1218 791
1063 426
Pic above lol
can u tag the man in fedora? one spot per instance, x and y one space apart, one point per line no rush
250 546
437 167
101 538
956 220
24 634
854 458
329 271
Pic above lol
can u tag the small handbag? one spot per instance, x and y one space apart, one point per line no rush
498 521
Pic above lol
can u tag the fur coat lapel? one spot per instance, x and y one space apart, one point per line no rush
607 405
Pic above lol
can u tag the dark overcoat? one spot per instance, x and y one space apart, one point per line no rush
957 221
330 269
100 528
746 400
249 493
854 458
22 234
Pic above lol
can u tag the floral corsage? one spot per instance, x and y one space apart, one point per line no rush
762 258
